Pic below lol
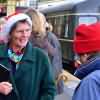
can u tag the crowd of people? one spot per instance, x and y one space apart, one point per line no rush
32 52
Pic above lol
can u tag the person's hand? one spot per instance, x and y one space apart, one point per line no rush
5 88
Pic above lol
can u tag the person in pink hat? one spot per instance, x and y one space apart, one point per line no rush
87 46
30 69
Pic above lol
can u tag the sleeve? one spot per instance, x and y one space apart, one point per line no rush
57 56
88 88
48 88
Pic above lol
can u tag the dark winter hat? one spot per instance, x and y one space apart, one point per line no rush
87 38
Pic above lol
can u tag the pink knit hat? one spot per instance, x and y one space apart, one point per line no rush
87 38
12 19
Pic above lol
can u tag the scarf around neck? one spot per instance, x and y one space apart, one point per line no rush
14 56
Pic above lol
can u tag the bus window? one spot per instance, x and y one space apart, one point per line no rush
87 19
66 30
59 24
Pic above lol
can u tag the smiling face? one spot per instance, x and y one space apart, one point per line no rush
20 35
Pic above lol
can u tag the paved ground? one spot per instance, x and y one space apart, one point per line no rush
64 96
69 88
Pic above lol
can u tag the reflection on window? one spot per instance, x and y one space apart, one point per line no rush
87 20
66 30
59 24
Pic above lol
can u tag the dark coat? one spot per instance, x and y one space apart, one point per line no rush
50 44
89 87
87 68
33 79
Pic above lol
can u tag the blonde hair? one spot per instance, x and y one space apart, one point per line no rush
49 27
2 20
38 22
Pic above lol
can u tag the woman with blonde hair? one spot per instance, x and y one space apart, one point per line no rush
40 39
38 27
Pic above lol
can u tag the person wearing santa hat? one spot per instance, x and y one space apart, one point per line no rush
30 70
87 46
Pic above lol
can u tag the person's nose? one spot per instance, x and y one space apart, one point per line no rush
26 33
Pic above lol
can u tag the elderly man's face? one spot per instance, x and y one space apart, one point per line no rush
21 34
84 57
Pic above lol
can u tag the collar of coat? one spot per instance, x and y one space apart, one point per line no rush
29 53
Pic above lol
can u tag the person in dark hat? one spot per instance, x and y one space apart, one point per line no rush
87 47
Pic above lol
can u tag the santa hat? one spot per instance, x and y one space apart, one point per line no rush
12 19
87 38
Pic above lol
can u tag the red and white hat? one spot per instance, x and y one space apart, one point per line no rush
12 19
